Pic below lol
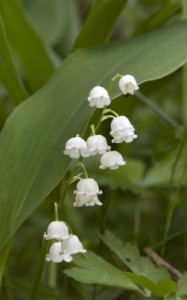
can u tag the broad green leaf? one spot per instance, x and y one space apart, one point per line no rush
29 47
100 23
4 253
165 286
160 289
143 281
8 73
32 141
172 296
182 286
64 16
94 269
43 13
130 256
161 172
3 112
137 297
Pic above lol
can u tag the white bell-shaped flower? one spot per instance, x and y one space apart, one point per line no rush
112 160
122 130
56 255
76 147
57 230
86 193
128 84
72 246
99 97
97 144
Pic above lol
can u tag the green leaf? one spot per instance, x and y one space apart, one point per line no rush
3 112
8 73
4 253
165 286
32 141
45 13
146 274
182 286
172 296
64 16
161 172
160 289
130 256
99 24
95 270
29 47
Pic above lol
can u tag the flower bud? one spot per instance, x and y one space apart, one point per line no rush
128 84
56 230
72 245
122 130
76 147
56 255
99 97
111 160
97 144
86 193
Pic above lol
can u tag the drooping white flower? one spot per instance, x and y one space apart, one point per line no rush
128 84
72 246
99 97
97 144
122 130
86 193
76 147
56 255
57 230
112 160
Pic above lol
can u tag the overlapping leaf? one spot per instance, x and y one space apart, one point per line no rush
99 25
93 269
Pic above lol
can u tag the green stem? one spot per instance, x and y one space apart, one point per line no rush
8 285
100 120
184 16
137 219
172 198
184 9
65 187
107 110
169 238
83 167
117 76
167 118
39 270
56 211
185 94
52 275
92 127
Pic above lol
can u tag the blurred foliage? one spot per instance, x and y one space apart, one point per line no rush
144 203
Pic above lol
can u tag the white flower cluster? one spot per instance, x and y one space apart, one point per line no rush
65 244
121 131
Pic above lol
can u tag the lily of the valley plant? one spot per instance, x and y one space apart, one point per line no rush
87 190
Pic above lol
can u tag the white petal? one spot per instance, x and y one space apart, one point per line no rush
86 193
128 84
57 230
72 245
55 253
87 186
99 97
112 160
122 130
76 147
97 144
